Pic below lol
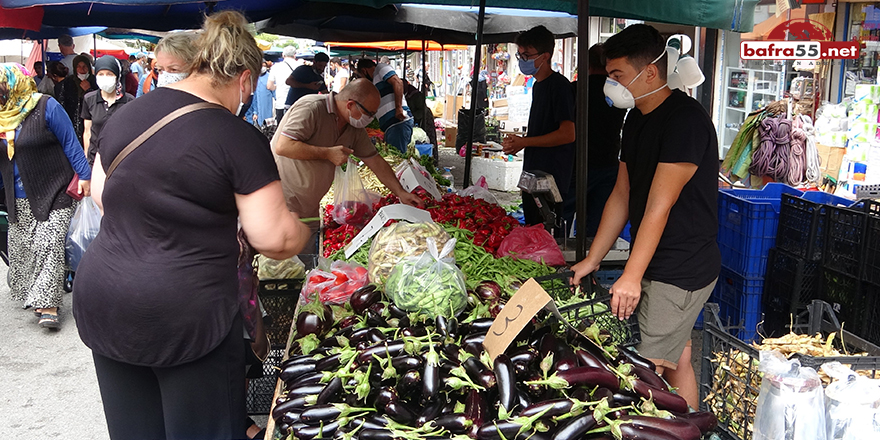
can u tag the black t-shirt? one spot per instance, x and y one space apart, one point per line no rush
552 103
95 109
679 130
159 285
605 123
306 75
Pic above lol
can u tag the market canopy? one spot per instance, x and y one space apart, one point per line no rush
396 46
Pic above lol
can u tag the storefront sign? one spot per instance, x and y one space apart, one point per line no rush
810 40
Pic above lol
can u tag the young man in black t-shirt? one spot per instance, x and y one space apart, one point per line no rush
549 143
667 188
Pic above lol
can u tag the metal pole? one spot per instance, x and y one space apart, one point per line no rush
474 78
405 47
582 107
95 44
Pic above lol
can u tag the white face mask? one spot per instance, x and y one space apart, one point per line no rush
106 83
359 123
168 78
618 95
243 105
82 76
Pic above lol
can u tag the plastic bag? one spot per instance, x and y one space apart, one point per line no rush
479 190
532 243
333 283
269 269
791 405
84 228
851 405
352 204
430 284
398 241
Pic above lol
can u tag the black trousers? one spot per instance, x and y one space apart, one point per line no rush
202 399
279 113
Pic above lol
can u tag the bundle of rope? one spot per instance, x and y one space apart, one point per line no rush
773 154
804 165
738 161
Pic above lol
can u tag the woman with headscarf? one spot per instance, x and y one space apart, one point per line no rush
98 105
42 157
70 92
157 295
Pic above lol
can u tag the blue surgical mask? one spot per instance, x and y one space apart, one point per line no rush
527 67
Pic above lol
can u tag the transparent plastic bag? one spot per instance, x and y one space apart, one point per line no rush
333 283
532 243
84 227
430 284
398 241
352 204
852 405
479 190
270 269
791 405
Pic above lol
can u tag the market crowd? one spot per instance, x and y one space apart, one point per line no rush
169 148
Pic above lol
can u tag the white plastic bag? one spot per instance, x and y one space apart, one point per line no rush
791 405
479 190
851 405
84 228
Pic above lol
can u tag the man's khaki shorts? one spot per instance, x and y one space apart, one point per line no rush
666 317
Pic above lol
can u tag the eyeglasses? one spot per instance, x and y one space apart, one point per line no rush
364 109
524 57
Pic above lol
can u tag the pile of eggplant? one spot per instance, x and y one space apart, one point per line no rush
369 379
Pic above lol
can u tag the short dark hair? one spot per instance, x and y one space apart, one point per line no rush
57 68
365 63
597 61
321 57
538 37
639 44
334 60
65 40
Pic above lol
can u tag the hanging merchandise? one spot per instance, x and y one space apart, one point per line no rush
739 158
772 155
804 159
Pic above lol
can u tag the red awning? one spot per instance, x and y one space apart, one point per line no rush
30 19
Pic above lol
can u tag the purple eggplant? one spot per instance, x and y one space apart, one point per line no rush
454 423
451 351
623 399
398 412
554 408
290 417
583 394
633 432
381 350
375 434
478 326
293 371
329 363
602 393
650 377
575 428
488 291
662 399
367 422
386 395
305 390
306 379
298 359
474 337
587 359
506 379
680 427
358 335
308 323
548 345
704 420
333 388
410 382
479 373
627 355
476 410
525 354
537 334
288 405
564 358
474 348
442 326
317 414
375 318
522 398
363 298
308 432
430 381
581 376
414 331
404 363
431 411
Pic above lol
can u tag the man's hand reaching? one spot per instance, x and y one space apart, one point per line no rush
338 154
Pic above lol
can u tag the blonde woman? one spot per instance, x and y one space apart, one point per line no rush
157 293
174 54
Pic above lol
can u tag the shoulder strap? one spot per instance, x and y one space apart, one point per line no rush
152 130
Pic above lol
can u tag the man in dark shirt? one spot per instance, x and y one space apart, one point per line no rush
306 80
667 188
549 144
603 147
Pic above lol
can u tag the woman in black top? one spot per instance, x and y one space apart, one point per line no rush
70 92
157 293
98 105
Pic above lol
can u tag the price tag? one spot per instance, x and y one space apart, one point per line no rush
391 212
530 299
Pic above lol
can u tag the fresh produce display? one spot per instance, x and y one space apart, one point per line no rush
352 213
269 269
379 373
429 284
394 243
334 284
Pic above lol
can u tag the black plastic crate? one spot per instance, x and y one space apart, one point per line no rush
260 391
845 240
871 332
871 270
801 229
847 297
597 310
729 378
279 300
791 283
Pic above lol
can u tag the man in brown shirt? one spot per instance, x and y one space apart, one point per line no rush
318 134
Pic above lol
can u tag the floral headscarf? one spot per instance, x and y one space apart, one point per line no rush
21 98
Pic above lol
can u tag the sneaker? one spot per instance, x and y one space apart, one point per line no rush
49 321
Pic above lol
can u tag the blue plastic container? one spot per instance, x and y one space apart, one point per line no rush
826 198
425 149
625 233
747 226
739 301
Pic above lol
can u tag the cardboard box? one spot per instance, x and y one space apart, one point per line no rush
499 102
830 159
451 133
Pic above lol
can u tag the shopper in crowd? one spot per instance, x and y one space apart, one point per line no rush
157 293
667 187
100 104
42 157
307 80
54 75
71 91
150 80
603 134
340 78
136 67
130 80
263 107
393 115
549 144
277 80
66 47
318 134
39 72
174 54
